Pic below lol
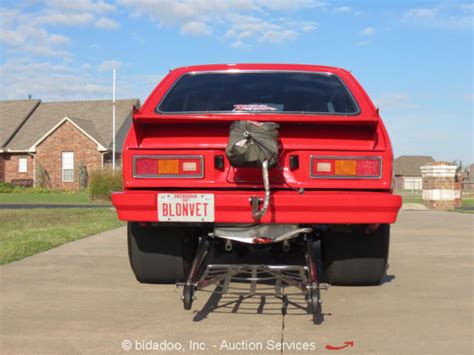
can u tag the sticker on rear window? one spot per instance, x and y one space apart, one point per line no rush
257 107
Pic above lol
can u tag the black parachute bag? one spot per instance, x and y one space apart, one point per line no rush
251 143
254 145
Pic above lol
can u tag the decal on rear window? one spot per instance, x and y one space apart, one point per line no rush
257 107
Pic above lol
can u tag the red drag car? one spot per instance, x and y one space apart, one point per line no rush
254 156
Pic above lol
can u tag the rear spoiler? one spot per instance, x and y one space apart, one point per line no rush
230 117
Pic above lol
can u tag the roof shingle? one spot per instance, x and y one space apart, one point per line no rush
409 165
12 115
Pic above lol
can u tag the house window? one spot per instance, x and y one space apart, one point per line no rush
22 165
68 166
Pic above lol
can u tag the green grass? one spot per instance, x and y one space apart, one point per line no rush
412 199
35 198
28 232
468 202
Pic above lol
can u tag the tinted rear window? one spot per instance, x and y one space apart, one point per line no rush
283 92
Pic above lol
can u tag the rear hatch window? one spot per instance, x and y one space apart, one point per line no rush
265 92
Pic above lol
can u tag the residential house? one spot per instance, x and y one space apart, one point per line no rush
58 139
407 171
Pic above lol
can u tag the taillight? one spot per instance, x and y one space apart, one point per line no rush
168 166
346 167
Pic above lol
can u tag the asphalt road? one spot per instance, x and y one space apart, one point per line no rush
83 298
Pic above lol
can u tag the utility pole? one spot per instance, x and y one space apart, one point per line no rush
113 120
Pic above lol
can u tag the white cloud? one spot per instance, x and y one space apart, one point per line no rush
48 82
421 13
289 5
11 38
469 6
58 39
346 10
63 19
196 28
249 29
368 31
51 82
30 32
395 101
242 22
343 9
81 5
107 23
108 65
446 16
22 34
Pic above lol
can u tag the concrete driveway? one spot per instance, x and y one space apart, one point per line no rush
83 298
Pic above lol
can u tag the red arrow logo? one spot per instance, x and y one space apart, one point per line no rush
347 344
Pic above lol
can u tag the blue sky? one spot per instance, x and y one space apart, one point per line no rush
414 58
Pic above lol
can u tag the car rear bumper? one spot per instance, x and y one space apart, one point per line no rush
285 206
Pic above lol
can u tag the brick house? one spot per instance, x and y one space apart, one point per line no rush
407 171
57 140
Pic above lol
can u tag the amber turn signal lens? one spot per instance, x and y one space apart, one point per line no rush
345 167
168 166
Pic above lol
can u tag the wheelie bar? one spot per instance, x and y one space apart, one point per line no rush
307 281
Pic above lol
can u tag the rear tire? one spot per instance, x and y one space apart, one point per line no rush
355 258
160 255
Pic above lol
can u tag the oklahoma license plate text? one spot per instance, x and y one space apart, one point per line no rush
176 207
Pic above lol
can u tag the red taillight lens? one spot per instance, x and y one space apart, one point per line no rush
144 166
346 167
169 166
368 167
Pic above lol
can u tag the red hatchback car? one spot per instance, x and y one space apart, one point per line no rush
226 158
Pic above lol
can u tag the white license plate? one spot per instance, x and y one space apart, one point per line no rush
186 207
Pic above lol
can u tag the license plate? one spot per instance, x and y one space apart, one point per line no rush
176 207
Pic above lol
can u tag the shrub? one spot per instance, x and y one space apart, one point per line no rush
42 177
4 187
83 175
103 182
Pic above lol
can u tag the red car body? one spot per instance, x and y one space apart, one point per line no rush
297 196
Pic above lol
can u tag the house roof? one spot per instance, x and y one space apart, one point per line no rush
12 115
409 165
94 117
86 127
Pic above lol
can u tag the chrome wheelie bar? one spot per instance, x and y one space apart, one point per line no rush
254 279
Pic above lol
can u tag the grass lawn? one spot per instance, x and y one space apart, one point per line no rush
59 198
27 232
468 202
412 199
